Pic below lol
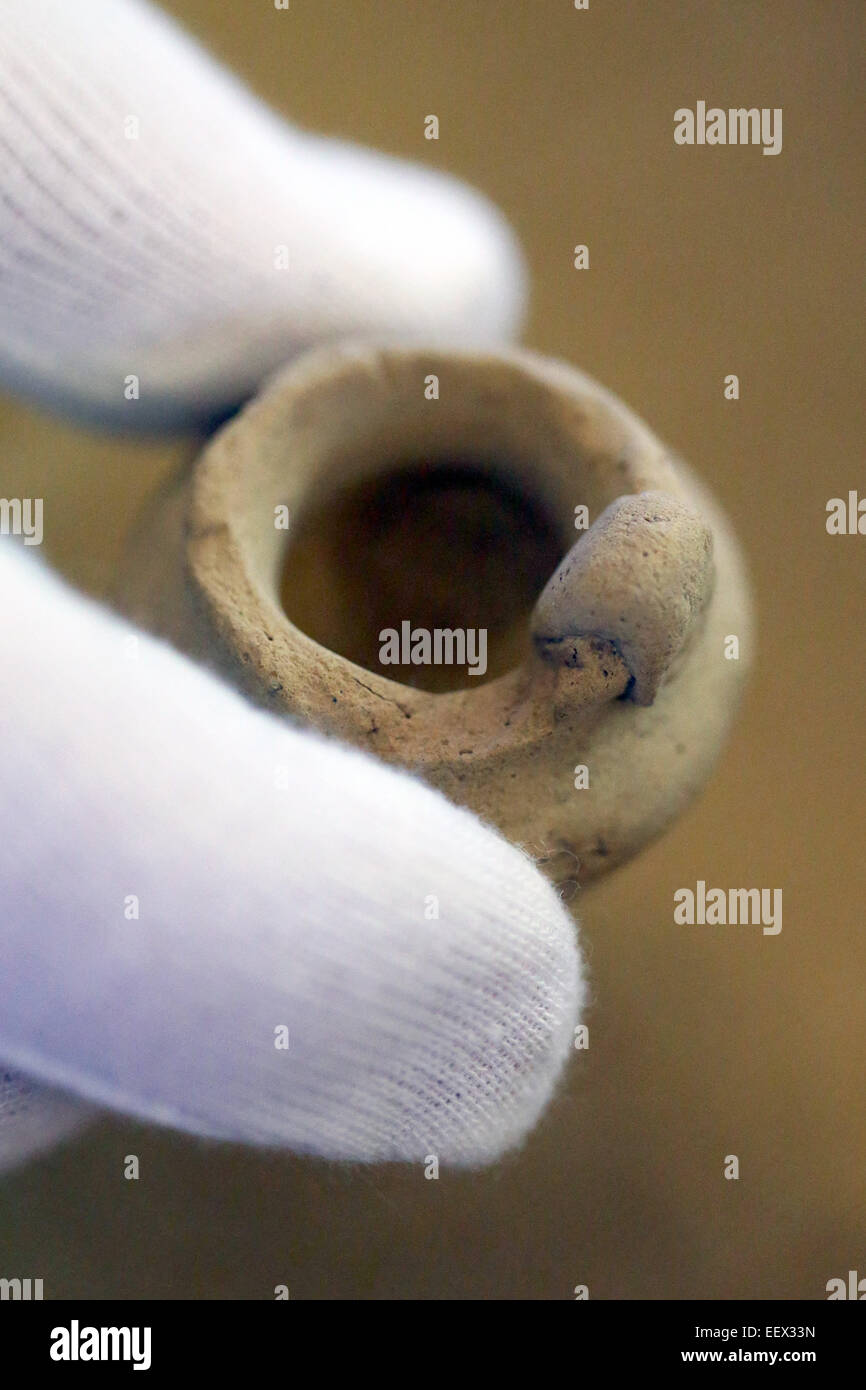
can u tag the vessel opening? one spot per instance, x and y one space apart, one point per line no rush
426 574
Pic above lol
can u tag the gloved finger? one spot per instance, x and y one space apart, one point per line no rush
216 921
166 240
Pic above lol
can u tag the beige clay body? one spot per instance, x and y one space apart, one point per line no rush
624 664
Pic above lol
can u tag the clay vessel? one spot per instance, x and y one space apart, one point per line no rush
443 490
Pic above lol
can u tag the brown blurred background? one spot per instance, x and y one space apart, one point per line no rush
704 1041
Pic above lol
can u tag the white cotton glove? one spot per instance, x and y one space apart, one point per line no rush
204 251
187 883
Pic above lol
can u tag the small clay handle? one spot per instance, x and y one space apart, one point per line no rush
638 579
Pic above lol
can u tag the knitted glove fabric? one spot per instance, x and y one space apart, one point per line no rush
187 884
158 221
215 921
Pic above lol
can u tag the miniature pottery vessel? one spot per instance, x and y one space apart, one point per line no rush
433 491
